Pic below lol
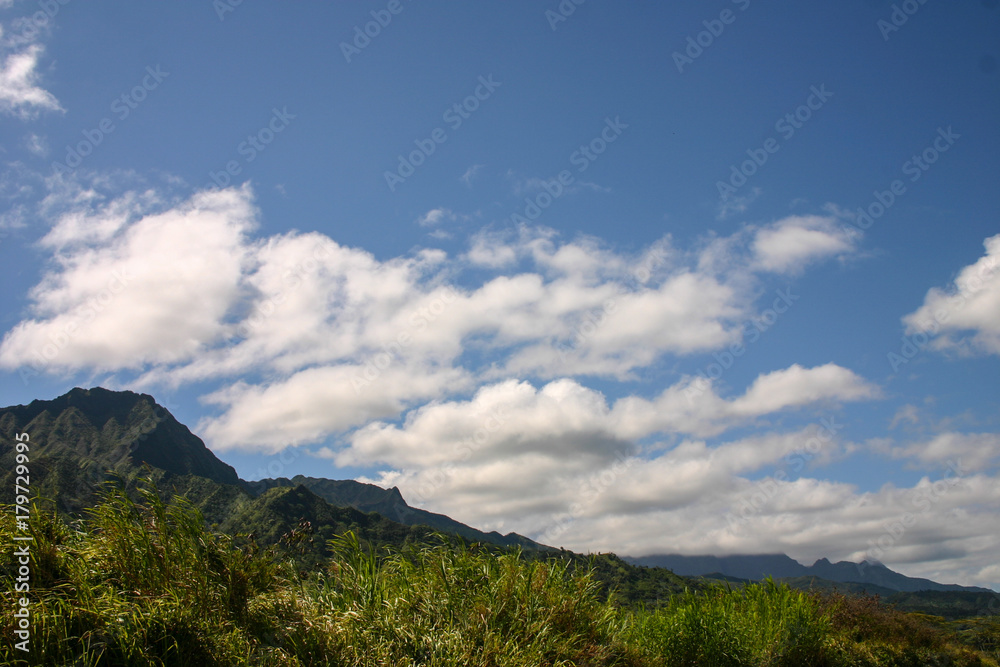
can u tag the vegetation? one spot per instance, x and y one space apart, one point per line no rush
144 582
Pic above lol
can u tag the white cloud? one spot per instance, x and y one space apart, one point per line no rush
37 144
315 402
435 216
295 307
738 204
789 244
796 386
965 316
566 428
20 95
559 464
154 292
470 174
390 362
970 452
514 450
692 406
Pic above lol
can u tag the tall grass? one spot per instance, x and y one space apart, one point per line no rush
451 605
766 625
142 582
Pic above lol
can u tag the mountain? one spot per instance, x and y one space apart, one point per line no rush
780 566
388 503
742 567
282 510
88 436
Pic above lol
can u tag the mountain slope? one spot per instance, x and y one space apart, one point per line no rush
86 437
389 503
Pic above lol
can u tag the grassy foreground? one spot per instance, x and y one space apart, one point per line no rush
146 584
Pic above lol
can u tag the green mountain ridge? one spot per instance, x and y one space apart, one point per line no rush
388 503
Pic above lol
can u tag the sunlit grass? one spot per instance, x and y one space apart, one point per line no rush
142 582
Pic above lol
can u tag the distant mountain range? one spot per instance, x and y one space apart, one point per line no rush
88 436
779 566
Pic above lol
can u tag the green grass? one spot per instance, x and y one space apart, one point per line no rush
142 582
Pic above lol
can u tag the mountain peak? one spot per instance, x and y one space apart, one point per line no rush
109 426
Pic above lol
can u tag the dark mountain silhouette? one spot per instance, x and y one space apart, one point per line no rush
780 566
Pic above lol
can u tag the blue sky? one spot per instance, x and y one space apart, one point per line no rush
697 278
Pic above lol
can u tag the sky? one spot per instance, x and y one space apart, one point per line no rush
690 277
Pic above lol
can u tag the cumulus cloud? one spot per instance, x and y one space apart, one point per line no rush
965 316
789 244
313 403
560 464
511 435
435 216
20 94
692 405
796 386
123 297
971 452
128 289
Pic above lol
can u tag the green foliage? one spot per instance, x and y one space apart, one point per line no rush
143 582
764 624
